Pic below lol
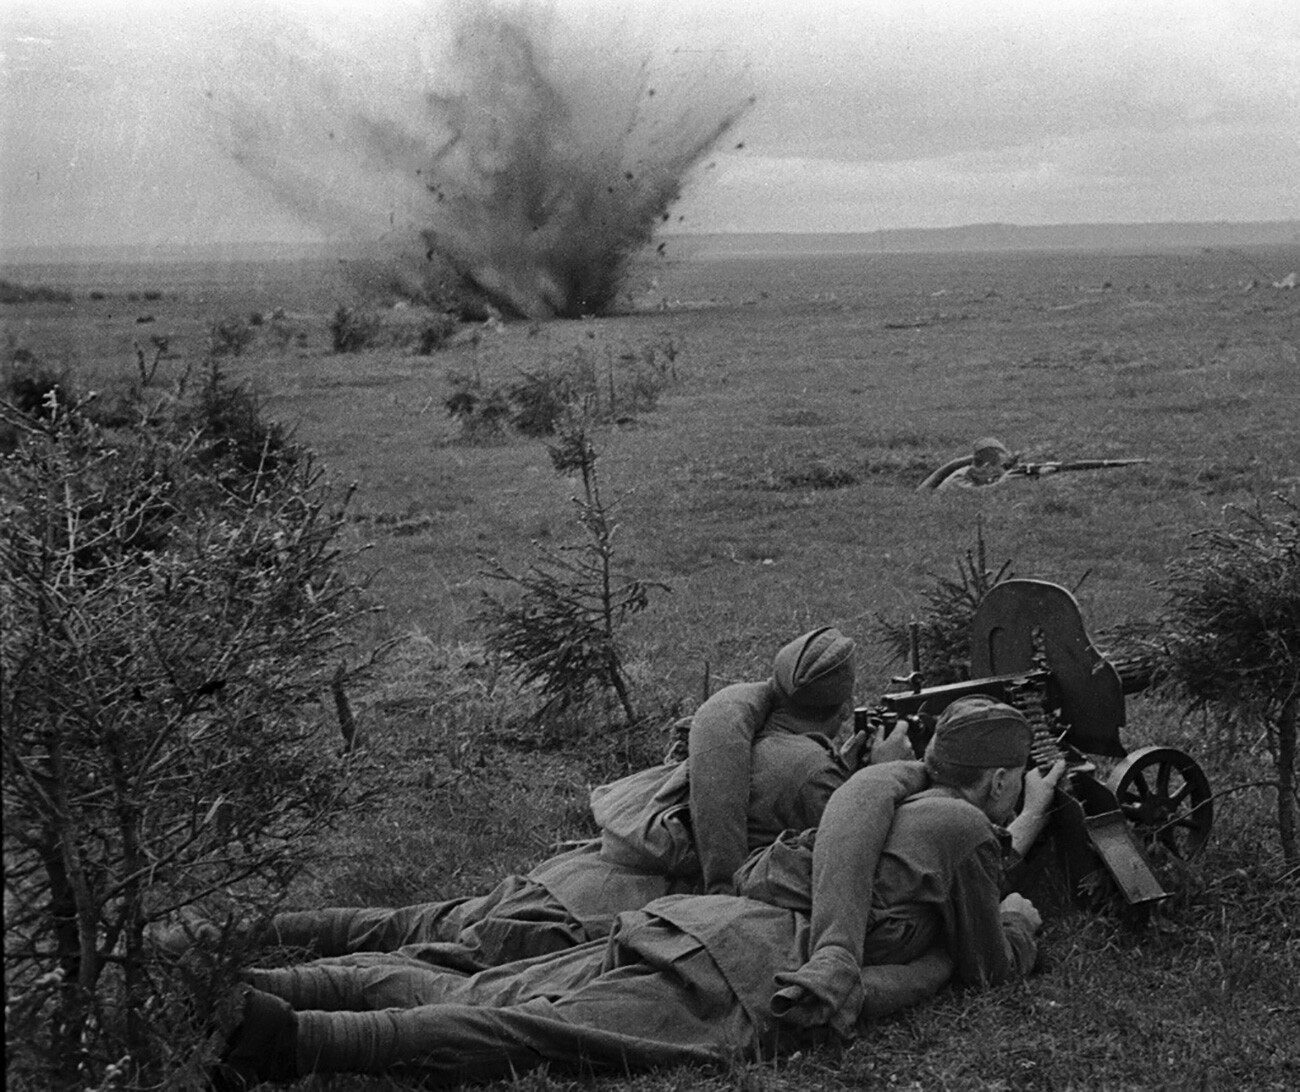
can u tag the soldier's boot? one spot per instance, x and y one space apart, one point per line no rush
262 1045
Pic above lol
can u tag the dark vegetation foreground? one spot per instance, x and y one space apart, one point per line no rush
769 474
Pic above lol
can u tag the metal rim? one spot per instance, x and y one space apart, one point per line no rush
1166 796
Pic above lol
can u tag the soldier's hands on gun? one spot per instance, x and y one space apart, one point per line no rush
894 746
877 744
1040 787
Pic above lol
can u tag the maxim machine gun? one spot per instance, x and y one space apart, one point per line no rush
1029 649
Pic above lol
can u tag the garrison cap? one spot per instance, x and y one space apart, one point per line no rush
983 733
992 444
815 671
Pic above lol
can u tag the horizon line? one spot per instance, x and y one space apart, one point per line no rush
31 251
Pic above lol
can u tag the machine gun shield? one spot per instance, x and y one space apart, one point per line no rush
1020 621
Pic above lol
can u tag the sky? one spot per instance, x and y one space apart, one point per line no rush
867 115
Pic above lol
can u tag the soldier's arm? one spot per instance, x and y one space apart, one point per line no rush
887 988
721 743
828 987
1040 790
989 945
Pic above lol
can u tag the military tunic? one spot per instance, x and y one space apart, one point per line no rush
680 828
687 979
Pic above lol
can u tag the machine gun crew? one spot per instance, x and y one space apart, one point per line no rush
1030 650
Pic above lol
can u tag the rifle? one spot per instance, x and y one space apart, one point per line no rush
1040 470
1023 470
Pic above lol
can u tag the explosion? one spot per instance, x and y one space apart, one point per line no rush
501 160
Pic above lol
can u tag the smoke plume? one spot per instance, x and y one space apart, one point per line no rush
501 155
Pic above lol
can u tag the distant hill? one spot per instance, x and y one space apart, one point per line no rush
161 255
983 237
974 237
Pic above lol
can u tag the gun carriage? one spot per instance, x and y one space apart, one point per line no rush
1030 649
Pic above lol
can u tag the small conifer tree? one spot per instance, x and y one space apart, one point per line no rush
561 631
1231 636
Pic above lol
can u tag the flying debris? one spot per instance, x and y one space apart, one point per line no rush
515 163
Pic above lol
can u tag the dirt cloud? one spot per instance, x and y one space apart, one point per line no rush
491 150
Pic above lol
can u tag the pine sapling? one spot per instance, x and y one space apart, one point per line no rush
561 632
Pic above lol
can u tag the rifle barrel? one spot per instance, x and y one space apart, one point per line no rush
1033 469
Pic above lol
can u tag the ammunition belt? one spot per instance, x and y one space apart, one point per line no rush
1030 699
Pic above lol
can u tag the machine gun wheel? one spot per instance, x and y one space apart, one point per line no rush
1166 796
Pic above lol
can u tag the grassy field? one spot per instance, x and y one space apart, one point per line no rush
772 487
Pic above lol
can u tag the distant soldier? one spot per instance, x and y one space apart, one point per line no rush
992 463
987 466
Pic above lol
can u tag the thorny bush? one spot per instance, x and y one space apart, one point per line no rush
171 612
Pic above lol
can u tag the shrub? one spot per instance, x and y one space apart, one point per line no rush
235 440
30 383
352 330
539 401
229 337
12 292
652 372
162 638
616 393
482 411
32 389
435 333
536 403
283 332
1230 636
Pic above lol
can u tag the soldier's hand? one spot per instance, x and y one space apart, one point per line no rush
855 750
893 747
1018 904
1041 787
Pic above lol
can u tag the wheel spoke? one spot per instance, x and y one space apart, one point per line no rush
1163 772
1164 795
